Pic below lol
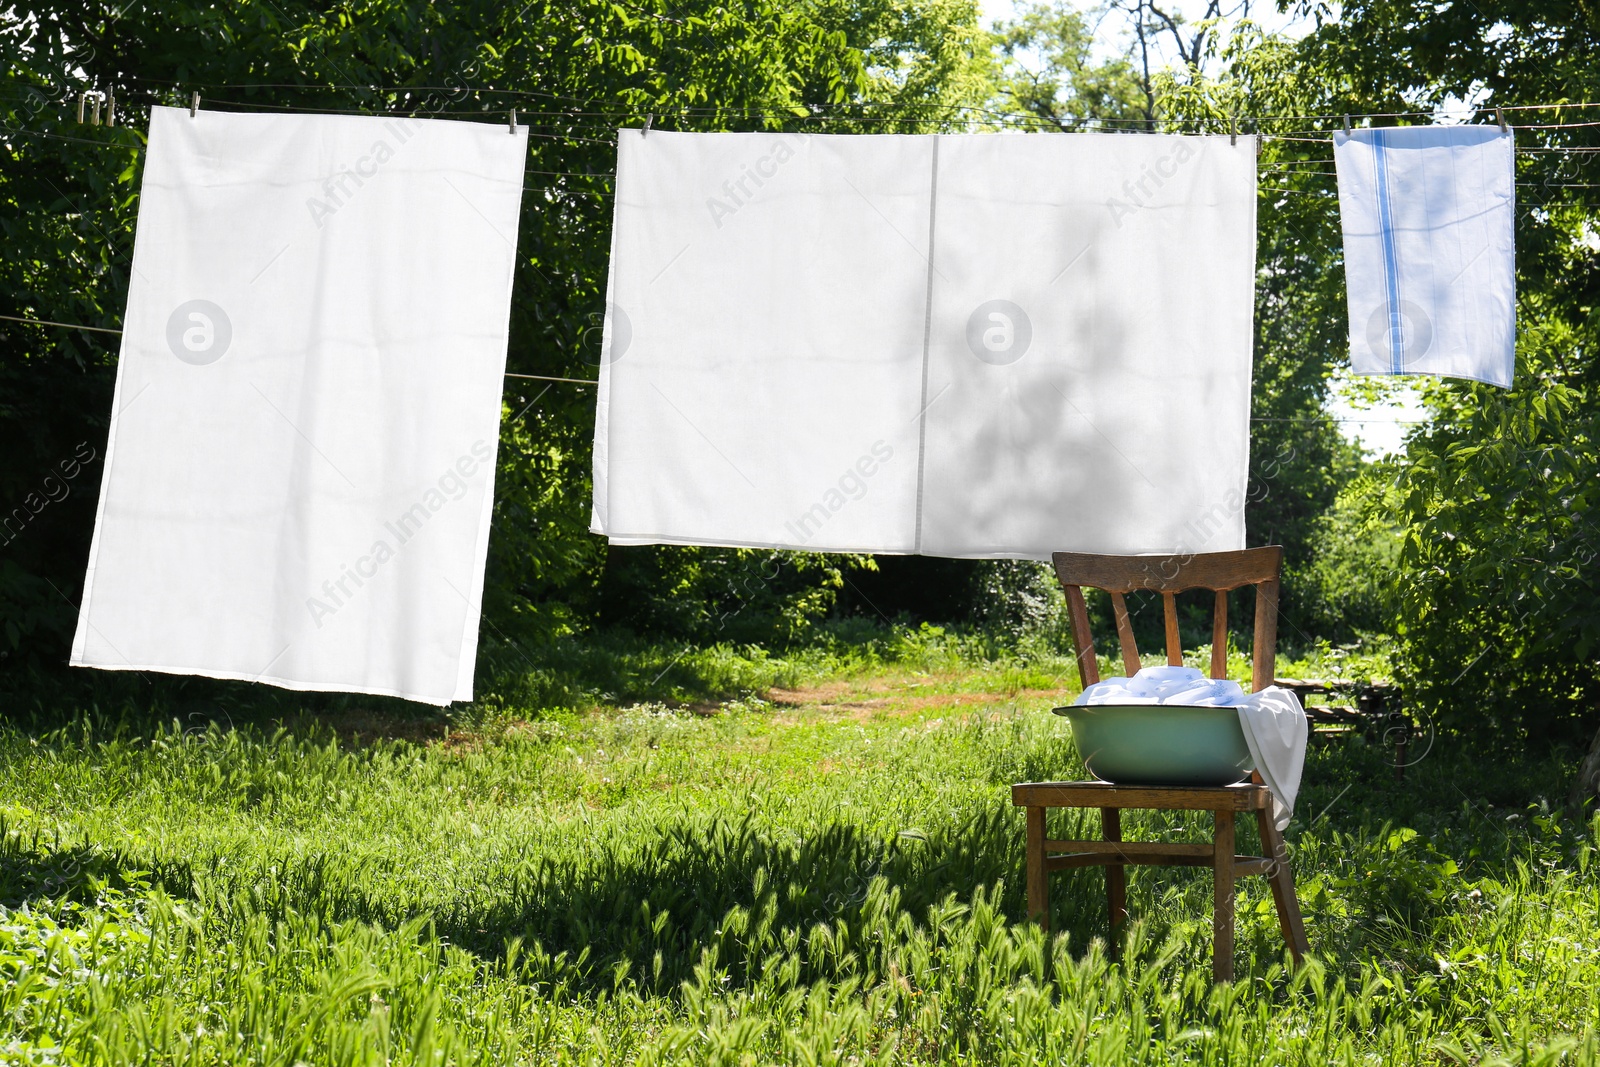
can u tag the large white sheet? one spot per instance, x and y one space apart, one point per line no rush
1428 214
299 477
962 345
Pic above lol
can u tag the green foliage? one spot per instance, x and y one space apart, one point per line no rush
1497 591
1049 71
831 879
1298 460
721 594
1499 495
1347 585
576 71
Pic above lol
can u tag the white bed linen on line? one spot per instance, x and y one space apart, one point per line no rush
299 477
955 345
1428 215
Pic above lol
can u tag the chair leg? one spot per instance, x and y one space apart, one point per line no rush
1281 878
1038 887
1222 920
1116 874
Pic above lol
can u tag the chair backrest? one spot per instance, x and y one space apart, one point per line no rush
1171 575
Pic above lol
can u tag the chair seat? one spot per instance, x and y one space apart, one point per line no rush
1246 796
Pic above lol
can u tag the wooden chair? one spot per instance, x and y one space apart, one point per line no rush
1119 575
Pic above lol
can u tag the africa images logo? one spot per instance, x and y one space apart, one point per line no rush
199 332
1401 336
613 326
752 178
344 183
1141 191
999 332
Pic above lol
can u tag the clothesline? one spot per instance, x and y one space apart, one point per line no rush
832 112
1269 165
822 107
1283 167
844 112
1316 167
591 381
107 329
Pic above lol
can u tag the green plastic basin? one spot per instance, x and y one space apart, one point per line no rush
1160 744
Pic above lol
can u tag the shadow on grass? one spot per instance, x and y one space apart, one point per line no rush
516 679
654 906
517 675
654 909
40 871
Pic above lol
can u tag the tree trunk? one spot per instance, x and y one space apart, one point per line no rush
1587 787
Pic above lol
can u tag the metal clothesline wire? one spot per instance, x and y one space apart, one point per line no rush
106 329
1305 167
526 188
821 110
52 322
577 139
1235 122
899 105
592 381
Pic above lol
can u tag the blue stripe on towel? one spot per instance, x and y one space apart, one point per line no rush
1391 265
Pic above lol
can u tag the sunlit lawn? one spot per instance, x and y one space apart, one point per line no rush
826 869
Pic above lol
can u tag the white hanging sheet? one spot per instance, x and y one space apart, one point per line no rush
299 477
1429 255
956 345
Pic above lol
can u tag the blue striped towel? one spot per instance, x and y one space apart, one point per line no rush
1430 263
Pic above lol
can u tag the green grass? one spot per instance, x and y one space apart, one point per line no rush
835 878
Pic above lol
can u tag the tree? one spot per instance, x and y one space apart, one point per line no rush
1048 70
1499 599
575 70
1299 460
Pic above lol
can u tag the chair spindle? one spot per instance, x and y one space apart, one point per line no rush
1263 670
1082 641
1130 651
1169 611
1219 636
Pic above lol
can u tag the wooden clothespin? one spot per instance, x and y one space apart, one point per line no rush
648 119
91 99
111 107
1500 114
1233 129
513 116
194 105
1347 125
